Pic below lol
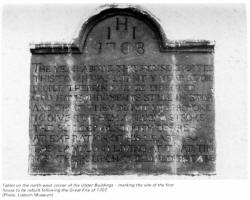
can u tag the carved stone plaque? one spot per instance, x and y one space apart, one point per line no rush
122 99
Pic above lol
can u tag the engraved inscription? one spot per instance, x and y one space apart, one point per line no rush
122 106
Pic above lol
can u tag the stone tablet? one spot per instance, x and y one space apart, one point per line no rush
122 99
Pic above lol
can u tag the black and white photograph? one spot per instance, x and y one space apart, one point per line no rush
102 97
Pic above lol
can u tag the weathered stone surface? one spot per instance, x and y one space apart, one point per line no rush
122 100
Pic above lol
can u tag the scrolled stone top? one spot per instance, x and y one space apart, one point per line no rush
165 45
